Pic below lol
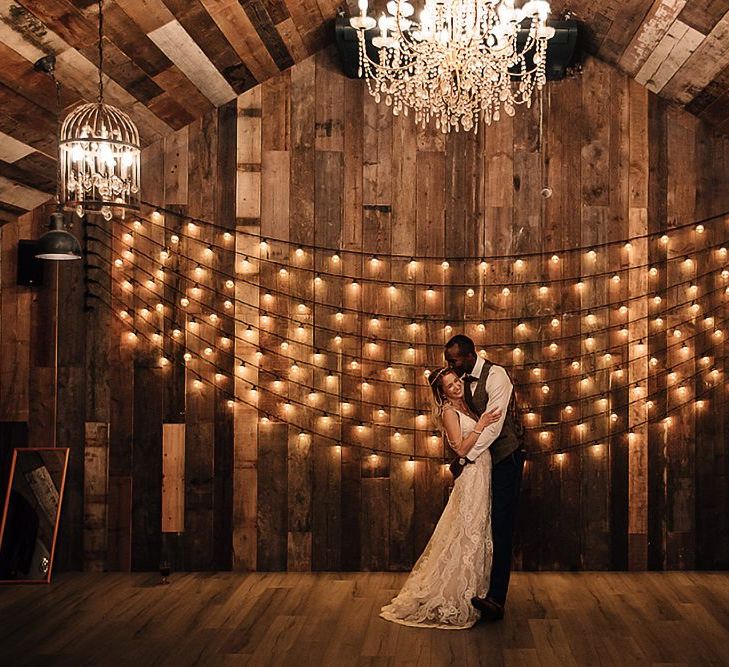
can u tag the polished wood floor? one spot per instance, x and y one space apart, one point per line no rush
331 619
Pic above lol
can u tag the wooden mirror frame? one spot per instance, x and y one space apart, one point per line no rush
65 450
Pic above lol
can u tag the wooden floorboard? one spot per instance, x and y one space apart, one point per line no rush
649 618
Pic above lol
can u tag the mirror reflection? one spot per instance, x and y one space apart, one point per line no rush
31 512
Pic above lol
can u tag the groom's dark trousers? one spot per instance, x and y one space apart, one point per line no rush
505 486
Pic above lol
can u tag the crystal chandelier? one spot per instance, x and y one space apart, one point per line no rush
462 60
100 154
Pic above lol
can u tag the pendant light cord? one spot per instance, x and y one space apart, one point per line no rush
101 51
58 138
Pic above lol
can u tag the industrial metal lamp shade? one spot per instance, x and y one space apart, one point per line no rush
100 155
58 243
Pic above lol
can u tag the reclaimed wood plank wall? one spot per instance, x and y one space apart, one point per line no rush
309 157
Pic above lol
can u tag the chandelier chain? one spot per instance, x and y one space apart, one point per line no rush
101 51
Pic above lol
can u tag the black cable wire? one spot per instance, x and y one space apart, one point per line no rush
278 265
580 399
611 435
370 338
548 363
343 251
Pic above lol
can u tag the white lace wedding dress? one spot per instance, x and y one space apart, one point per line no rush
456 563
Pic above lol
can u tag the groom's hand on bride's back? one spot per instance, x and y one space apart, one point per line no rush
456 467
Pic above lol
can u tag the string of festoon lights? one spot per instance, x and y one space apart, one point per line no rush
705 304
621 305
617 369
697 401
708 319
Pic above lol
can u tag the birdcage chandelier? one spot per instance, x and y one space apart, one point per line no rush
459 62
100 154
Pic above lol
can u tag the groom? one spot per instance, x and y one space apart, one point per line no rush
488 387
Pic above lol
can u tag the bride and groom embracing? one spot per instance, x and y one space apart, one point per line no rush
463 573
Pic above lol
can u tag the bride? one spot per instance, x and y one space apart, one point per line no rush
455 565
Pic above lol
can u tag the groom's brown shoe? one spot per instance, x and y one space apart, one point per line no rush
489 608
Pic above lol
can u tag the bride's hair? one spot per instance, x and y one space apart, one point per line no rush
438 399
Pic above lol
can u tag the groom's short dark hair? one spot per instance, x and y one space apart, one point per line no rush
465 345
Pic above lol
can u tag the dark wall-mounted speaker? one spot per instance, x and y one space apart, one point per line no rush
30 268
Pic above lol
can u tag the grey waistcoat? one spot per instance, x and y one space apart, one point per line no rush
511 437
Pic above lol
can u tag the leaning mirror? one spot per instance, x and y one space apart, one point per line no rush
31 513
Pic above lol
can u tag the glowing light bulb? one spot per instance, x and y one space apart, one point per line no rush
653 271
592 255
543 289
299 252
700 229
470 292
197 384
174 238
555 259
227 236
184 302
664 239
335 259
227 304
118 262
506 291
519 264
283 272
580 286
445 265
187 356
229 284
555 322
615 278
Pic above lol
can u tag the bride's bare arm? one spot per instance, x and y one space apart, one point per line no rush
452 427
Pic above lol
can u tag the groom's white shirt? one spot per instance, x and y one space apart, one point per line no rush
498 388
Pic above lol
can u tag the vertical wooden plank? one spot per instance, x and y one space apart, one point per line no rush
301 287
638 331
15 315
147 469
224 263
200 522
657 434
176 167
619 258
173 478
273 437
680 483
96 474
245 479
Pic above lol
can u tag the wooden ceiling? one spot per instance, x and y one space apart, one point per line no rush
170 61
